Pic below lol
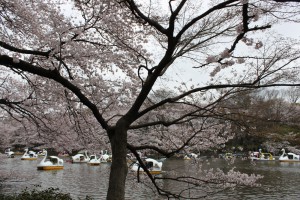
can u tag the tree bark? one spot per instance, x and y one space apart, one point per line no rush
119 169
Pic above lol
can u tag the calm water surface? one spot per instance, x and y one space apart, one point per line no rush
281 180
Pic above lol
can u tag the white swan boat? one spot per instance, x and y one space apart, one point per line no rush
190 156
29 155
42 153
9 153
152 165
94 160
105 157
80 158
51 163
289 157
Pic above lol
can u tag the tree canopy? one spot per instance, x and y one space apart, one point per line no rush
87 72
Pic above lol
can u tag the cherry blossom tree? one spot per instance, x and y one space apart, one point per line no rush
91 67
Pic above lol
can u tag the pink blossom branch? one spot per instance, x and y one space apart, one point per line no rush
54 75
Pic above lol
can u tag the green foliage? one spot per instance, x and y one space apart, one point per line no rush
47 194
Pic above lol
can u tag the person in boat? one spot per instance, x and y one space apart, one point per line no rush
260 155
149 165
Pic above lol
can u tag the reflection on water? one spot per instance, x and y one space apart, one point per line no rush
280 179
77 179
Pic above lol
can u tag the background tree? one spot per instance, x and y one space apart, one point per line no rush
262 114
292 94
95 65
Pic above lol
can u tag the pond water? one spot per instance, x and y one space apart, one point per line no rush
281 180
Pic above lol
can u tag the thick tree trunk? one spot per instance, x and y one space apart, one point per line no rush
118 173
